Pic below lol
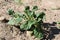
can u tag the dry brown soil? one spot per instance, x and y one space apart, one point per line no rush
8 32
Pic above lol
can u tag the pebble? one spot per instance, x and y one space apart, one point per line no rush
2 18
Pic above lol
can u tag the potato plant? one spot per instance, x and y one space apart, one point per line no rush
29 20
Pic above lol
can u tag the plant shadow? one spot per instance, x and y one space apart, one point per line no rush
50 31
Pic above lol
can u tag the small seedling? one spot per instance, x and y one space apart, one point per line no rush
29 21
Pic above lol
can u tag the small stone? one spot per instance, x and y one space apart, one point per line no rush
29 33
2 18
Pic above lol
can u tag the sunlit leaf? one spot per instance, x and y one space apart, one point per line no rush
27 25
15 21
37 33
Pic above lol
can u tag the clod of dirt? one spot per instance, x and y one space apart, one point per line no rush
2 18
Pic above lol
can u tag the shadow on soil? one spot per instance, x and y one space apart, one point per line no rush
50 31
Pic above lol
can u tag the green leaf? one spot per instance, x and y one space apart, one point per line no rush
41 15
29 13
18 14
37 33
27 25
10 12
31 22
35 8
15 21
39 19
23 26
58 22
37 14
27 8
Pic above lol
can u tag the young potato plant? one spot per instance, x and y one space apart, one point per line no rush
29 21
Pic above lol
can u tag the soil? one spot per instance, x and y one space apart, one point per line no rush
51 9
